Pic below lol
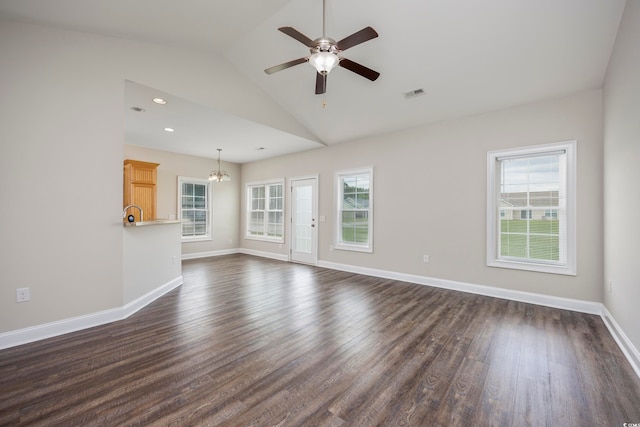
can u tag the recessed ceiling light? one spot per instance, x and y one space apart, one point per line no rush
169 129
159 101
138 109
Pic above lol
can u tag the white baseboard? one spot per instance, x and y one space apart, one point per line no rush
630 351
627 347
262 254
150 297
270 255
529 297
198 255
60 327
48 330
73 324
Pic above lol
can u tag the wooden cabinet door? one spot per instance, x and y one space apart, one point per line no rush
140 188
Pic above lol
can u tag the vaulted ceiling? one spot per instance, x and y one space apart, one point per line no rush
466 56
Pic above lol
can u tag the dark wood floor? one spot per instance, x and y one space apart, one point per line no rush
250 341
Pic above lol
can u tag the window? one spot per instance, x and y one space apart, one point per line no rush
265 211
354 219
194 201
531 208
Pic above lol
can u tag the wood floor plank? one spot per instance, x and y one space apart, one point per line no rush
253 341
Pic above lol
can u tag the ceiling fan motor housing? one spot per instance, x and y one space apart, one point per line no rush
325 44
328 58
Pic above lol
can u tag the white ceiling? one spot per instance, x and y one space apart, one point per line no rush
200 130
468 56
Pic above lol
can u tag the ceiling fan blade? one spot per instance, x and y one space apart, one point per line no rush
292 32
286 65
359 69
356 38
321 83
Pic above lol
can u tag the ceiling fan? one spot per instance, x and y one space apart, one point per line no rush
325 53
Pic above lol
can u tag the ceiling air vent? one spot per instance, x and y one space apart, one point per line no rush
413 93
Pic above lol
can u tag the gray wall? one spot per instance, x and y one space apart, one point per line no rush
61 151
430 194
62 145
226 195
622 176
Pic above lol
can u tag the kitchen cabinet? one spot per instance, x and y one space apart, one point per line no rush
140 188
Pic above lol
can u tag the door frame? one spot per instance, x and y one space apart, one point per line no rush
290 181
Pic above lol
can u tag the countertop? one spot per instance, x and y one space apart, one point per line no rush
151 222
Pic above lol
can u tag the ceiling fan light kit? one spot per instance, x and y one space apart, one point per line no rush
324 62
325 53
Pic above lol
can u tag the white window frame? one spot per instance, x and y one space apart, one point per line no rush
568 174
248 190
209 203
339 186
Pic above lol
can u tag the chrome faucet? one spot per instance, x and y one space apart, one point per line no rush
124 211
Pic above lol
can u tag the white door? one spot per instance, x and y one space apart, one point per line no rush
304 220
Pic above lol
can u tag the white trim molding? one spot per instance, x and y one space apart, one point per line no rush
208 236
566 209
150 297
630 351
267 184
74 324
626 346
338 242
270 255
262 254
528 297
198 255
48 330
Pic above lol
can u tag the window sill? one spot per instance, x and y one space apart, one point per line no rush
530 266
352 248
266 239
196 239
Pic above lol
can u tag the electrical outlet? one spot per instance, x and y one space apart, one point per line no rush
23 295
174 259
425 258
610 286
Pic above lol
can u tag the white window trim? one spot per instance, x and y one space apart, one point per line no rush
338 244
209 235
570 147
248 236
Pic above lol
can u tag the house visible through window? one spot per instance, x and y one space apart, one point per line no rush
524 214
194 201
355 210
265 211
531 208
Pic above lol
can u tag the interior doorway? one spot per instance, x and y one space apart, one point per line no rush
304 220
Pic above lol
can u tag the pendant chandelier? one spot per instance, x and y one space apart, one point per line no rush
219 175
